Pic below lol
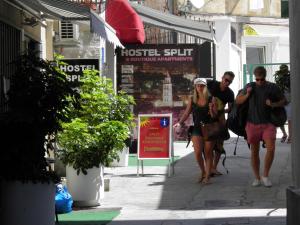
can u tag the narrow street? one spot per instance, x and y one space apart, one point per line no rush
230 199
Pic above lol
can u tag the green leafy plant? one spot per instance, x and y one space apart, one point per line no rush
99 128
282 78
38 100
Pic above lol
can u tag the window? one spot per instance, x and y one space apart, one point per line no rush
233 35
10 48
284 8
68 30
255 55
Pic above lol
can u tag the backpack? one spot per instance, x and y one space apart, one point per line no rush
237 117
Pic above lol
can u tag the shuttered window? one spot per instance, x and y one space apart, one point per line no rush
10 47
66 30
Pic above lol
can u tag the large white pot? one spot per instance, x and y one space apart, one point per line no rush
124 156
86 190
27 203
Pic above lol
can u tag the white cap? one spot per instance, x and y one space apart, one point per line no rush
200 81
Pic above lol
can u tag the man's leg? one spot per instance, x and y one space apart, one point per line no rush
284 134
217 155
255 161
254 135
290 131
270 144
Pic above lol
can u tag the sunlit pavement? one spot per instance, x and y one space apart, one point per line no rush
157 199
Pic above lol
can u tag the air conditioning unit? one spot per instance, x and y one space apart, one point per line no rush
68 31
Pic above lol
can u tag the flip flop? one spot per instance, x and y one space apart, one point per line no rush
206 181
282 140
216 173
201 178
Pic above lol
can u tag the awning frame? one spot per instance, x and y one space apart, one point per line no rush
199 29
71 11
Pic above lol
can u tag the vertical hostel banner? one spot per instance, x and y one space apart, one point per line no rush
154 136
160 77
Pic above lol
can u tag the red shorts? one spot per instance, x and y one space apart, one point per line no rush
259 132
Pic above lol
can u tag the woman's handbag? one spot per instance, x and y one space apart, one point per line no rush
214 131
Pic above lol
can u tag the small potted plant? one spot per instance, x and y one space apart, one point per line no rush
37 102
95 135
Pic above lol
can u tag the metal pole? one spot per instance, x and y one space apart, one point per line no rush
138 167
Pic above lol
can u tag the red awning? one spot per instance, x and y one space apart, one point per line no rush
127 23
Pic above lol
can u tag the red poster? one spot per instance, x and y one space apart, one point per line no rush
154 139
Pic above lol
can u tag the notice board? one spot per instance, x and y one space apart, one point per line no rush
154 136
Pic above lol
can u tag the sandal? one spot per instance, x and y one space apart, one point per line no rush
206 181
289 140
216 173
201 178
282 140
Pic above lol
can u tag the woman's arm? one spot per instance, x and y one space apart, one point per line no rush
185 114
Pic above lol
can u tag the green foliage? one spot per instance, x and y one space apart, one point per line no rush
99 128
282 78
38 99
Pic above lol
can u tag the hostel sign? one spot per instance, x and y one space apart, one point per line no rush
159 55
74 67
160 77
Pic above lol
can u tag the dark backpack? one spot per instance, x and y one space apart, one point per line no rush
237 117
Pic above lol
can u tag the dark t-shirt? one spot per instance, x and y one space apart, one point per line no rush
226 96
259 112
201 115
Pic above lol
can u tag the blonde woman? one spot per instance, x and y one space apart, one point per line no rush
204 110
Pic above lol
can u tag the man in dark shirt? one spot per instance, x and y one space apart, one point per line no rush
259 127
224 95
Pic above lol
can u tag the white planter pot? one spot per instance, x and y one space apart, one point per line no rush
124 156
86 190
27 203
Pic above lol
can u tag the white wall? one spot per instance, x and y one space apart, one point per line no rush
228 55
223 46
236 67
275 39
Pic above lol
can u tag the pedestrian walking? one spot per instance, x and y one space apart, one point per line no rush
225 96
204 110
282 79
259 126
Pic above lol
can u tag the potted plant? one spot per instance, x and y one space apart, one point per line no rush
95 135
36 103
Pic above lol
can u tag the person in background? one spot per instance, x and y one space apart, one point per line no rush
225 96
282 79
259 127
204 110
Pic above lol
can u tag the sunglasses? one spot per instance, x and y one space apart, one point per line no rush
228 81
260 79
